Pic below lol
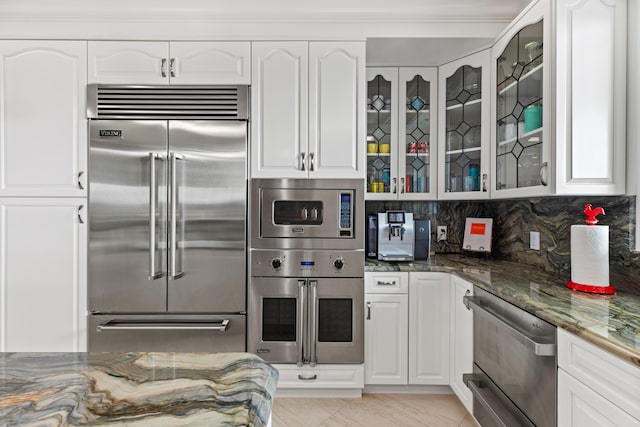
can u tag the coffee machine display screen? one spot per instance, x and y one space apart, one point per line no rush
395 218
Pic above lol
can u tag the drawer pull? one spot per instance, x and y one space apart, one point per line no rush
390 283
309 378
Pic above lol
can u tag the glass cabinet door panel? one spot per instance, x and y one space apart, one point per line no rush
519 106
381 130
417 112
463 130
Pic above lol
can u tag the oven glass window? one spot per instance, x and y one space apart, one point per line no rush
335 319
297 212
279 319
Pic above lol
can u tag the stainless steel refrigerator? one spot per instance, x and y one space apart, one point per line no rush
167 215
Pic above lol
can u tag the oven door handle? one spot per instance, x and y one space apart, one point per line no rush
539 348
313 318
491 403
302 321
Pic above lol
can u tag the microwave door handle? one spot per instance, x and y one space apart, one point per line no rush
174 274
313 320
153 203
302 321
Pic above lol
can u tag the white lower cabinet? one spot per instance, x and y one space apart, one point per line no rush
429 328
461 344
385 328
595 388
407 334
43 253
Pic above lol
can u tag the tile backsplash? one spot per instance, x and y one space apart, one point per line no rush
552 217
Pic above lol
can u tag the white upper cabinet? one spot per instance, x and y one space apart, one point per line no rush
43 131
464 148
155 62
558 97
401 133
43 284
590 94
336 109
308 110
279 109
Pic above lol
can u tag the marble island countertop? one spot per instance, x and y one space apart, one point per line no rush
610 322
135 389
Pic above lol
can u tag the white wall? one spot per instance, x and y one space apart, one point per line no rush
633 107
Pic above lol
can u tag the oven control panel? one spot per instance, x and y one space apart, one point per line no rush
302 263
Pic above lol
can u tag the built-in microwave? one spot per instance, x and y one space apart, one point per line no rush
308 211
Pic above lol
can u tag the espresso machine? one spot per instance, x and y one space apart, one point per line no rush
396 236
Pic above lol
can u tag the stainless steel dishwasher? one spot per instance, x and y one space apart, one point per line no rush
514 371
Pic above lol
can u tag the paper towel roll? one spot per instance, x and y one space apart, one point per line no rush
590 254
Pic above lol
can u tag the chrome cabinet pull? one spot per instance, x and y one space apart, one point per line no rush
539 348
302 167
163 67
80 220
313 300
173 240
484 182
172 67
368 310
390 283
80 186
301 320
543 166
401 184
309 378
311 166
394 186
153 201
466 294
114 325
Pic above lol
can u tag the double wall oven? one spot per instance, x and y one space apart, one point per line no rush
306 258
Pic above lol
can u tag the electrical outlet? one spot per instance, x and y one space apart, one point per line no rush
441 233
534 240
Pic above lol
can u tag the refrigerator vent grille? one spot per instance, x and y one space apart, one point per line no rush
168 102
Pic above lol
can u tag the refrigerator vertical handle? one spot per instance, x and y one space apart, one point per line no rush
313 319
301 321
153 203
174 274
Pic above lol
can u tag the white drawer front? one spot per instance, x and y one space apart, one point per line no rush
616 380
386 283
321 376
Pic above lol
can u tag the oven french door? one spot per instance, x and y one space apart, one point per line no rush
307 320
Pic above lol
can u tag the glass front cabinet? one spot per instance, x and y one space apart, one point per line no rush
558 101
401 133
463 132
521 111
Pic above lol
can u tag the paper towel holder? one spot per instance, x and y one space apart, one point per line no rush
603 290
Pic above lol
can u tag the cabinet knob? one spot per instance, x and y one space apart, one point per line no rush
401 184
394 185
302 161
484 182
310 162
368 310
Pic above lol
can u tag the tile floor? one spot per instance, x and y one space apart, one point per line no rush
372 410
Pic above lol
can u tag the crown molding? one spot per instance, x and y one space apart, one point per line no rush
254 19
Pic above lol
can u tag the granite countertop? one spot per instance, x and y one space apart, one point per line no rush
135 389
610 322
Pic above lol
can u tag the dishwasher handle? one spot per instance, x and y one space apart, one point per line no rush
502 411
539 347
